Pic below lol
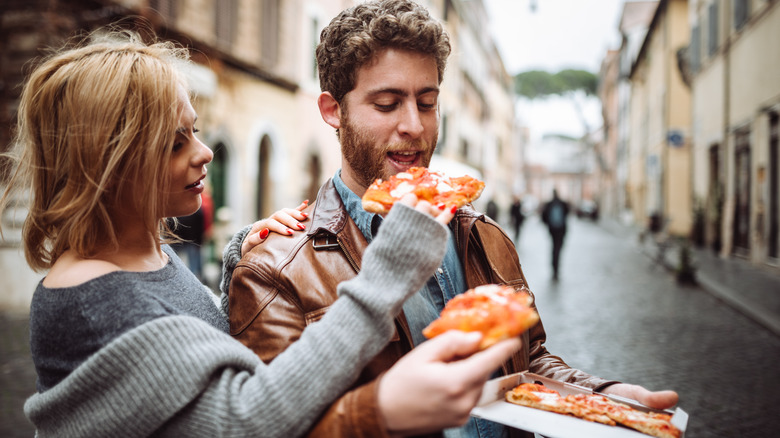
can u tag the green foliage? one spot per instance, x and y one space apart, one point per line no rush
538 84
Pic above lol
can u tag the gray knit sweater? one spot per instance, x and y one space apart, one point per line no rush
177 375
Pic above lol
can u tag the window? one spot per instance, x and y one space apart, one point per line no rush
315 39
741 12
166 9
695 55
712 29
269 32
226 22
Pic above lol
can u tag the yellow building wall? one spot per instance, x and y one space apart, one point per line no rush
755 68
707 109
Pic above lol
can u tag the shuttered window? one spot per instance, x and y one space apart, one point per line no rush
741 11
712 29
269 32
166 8
226 22
695 49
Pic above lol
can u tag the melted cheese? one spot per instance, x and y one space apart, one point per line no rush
402 189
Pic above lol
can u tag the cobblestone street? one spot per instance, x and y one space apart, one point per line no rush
617 315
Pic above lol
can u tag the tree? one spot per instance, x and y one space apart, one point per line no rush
572 84
538 84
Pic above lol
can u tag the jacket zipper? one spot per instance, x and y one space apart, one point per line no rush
347 255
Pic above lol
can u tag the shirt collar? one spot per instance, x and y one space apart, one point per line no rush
354 207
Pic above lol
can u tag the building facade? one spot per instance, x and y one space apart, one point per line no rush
734 64
634 22
659 149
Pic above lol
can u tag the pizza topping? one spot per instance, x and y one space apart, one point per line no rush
593 407
498 312
402 189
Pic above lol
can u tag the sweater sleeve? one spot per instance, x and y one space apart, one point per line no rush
230 258
177 376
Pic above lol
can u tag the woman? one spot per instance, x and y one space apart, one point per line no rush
125 340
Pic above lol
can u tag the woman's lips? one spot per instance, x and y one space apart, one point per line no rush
196 186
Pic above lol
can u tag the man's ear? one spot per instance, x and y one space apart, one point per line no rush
330 110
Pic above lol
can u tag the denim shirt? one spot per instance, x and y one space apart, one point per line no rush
426 305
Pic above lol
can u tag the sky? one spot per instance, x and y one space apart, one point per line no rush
560 34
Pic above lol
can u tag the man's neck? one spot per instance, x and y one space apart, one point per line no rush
352 183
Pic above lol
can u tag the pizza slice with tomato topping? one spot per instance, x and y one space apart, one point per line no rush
498 312
427 185
593 407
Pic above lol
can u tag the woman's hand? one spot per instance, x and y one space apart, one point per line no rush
436 385
441 214
285 221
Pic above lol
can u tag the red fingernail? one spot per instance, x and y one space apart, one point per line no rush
289 232
304 214
454 209
301 227
441 206
264 233
306 201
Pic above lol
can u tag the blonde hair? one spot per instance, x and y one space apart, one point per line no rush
93 122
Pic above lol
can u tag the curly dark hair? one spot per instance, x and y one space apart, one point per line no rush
355 36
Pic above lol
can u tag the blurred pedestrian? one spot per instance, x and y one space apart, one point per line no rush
517 215
492 209
554 216
124 339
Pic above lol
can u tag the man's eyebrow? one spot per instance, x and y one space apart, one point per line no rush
402 93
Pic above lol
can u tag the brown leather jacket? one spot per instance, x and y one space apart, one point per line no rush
285 284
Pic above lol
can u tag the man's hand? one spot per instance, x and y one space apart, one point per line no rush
653 399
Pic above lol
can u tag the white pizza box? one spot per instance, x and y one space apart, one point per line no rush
492 406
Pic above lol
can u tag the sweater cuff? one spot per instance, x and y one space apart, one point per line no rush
231 256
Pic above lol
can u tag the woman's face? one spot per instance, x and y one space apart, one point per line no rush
188 163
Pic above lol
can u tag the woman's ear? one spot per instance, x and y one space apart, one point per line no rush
330 110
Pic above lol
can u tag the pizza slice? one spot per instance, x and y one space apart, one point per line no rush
427 185
593 407
538 396
498 312
650 423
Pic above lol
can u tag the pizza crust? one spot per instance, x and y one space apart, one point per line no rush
374 207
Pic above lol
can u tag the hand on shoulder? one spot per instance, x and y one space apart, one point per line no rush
285 222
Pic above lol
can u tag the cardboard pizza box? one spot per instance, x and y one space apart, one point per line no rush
492 406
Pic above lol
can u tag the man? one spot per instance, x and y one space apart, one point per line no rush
517 215
554 216
380 64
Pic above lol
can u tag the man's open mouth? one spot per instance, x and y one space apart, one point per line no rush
404 157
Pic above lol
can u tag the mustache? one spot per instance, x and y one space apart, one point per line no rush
418 145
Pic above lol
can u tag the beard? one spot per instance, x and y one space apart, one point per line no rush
367 160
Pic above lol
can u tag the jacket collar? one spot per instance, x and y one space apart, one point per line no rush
329 214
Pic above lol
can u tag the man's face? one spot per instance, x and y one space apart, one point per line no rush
390 120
